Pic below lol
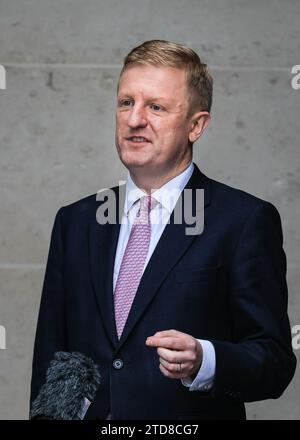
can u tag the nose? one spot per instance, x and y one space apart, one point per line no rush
137 117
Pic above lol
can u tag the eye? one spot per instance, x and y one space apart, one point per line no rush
156 107
125 103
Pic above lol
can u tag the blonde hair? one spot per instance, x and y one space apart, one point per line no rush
169 54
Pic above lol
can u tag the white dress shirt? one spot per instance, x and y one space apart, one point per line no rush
167 196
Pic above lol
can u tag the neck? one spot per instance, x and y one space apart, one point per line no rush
149 182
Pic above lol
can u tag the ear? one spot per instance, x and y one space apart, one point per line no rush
199 122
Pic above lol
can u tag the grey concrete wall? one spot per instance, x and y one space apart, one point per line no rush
57 133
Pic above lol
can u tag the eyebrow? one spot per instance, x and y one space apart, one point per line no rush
152 99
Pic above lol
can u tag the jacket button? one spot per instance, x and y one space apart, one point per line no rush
118 364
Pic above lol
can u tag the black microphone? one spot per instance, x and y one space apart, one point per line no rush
72 380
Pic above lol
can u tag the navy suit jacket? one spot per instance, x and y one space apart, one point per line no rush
226 285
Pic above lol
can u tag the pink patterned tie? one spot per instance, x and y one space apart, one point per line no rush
133 262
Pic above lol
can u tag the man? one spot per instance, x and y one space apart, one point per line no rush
181 325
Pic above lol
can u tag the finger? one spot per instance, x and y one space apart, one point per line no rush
172 367
184 356
166 333
171 356
168 373
167 342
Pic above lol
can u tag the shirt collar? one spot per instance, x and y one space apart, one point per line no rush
167 195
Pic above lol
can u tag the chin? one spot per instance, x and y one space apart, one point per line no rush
133 159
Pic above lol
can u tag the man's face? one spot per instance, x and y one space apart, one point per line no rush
152 128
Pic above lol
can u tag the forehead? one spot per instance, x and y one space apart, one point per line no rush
158 80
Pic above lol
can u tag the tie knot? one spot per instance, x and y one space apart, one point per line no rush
146 204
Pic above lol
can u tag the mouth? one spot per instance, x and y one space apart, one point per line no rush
138 139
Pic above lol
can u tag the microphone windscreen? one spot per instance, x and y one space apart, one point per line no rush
72 380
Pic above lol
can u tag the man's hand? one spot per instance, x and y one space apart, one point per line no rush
180 354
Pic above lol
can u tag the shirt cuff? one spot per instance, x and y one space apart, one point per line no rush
205 376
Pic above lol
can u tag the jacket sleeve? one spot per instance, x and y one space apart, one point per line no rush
259 363
50 333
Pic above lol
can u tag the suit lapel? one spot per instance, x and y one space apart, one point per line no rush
103 240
